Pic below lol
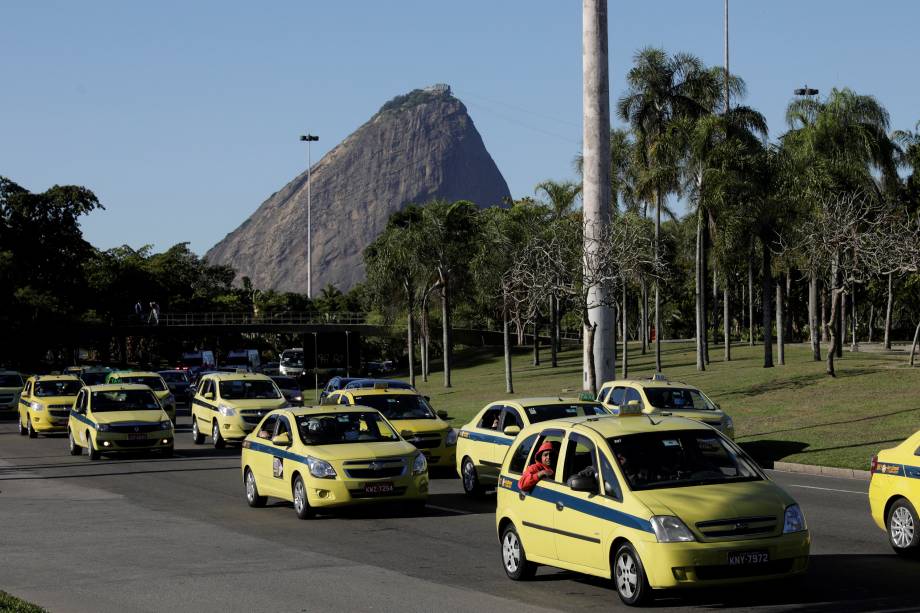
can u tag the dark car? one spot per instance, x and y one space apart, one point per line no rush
335 383
377 383
290 389
179 384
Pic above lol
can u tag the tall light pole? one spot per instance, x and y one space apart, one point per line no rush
348 353
309 138
315 368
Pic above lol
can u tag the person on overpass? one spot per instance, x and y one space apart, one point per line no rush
541 468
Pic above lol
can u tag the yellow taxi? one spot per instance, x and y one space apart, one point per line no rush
660 394
117 418
44 404
410 414
11 385
152 380
483 442
650 502
230 405
324 457
894 495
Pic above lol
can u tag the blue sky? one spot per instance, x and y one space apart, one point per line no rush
183 116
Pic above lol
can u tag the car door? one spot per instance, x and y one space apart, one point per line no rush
489 444
205 408
578 522
537 508
510 416
24 399
260 462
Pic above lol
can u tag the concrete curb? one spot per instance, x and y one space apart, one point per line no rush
823 471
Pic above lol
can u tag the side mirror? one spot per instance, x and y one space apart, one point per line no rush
443 415
209 395
583 484
511 431
634 403
282 440
428 398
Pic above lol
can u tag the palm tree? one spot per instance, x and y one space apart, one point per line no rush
662 89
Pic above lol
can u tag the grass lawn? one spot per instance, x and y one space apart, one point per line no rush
792 413
11 604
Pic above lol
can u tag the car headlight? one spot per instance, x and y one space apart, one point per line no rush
166 425
320 469
420 465
670 529
226 411
298 398
36 406
451 439
104 428
795 520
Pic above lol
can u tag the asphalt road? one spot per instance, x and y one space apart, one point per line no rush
152 534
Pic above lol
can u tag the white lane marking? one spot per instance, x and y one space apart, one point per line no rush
448 509
828 489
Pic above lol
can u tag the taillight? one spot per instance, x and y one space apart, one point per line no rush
873 467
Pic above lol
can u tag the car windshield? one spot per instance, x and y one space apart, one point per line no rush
154 383
678 398
174 376
679 458
286 383
248 389
292 358
370 383
124 400
344 427
545 412
10 381
398 406
65 387
94 378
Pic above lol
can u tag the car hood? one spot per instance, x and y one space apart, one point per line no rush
46 400
360 451
255 403
420 426
715 417
144 416
713 502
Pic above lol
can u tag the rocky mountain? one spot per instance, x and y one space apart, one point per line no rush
419 147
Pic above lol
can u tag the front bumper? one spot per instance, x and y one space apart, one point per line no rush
235 430
671 565
330 493
110 442
45 422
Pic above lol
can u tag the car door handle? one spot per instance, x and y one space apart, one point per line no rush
559 506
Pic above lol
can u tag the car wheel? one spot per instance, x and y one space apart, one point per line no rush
218 440
514 559
197 436
30 430
301 504
252 491
22 429
91 450
903 528
470 479
72 444
629 576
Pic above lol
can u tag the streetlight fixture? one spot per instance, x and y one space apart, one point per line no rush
315 369
347 353
806 91
309 138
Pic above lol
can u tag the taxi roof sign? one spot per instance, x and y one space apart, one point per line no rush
380 386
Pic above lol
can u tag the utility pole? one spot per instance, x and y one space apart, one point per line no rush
596 187
309 138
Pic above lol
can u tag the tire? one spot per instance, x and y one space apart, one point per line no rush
629 576
470 479
252 491
903 528
29 429
72 444
22 429
514 559
301 504
197 436
91 450
219 442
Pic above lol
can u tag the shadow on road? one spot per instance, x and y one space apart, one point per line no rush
766 452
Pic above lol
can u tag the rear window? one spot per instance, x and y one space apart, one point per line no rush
245 389
124 400
45 389
679 458
402 406
539 413
678 398
154 383
94 378
174 376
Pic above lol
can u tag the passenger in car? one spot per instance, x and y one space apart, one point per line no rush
540 469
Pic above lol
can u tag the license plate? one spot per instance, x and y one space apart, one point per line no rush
135 436
748 558
377 489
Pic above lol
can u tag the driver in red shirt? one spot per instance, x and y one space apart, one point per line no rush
542 467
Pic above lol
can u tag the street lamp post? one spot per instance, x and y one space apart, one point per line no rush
347 353
315 368
309 138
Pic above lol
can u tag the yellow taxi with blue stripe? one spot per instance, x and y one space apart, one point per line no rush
113 418
411 414
650 502
11 385
230 405
152 380
44 404
894 495
659 394
483 442
326 457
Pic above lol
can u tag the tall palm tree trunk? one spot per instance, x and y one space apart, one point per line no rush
625 336
554 332
780 330
536 339
825 316
726 317
506 339
765 305
700 332
643 319
841 321
410 345
813 316
446 332
704 306
751 299
854 322
657 294
888 314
